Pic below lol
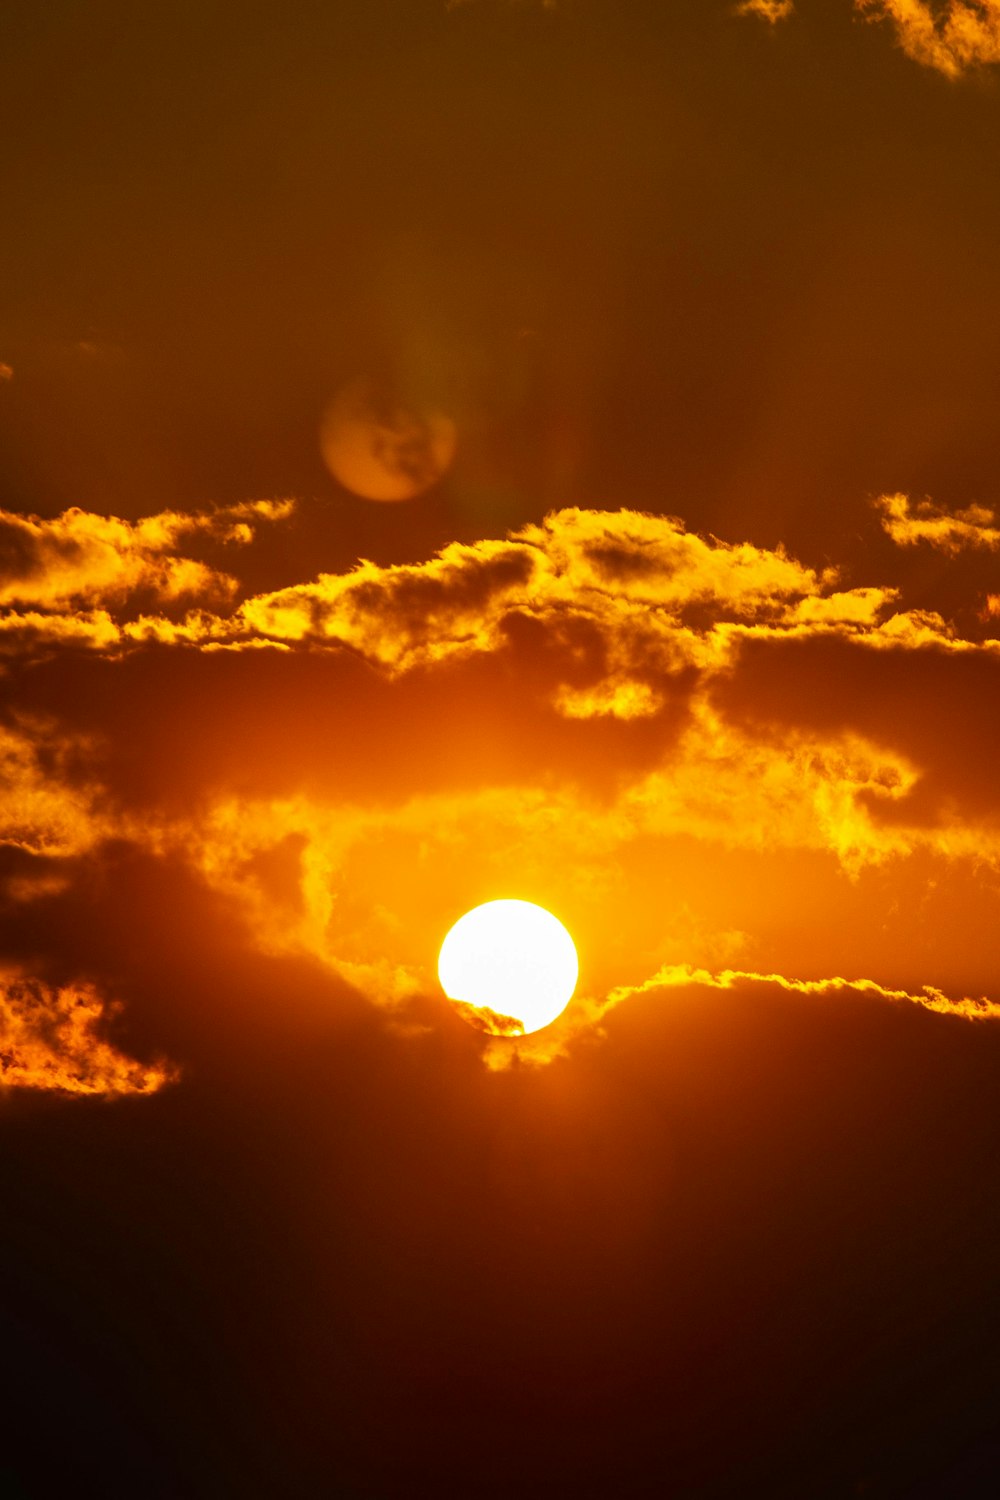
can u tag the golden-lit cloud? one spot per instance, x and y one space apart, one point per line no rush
952 38
908 522
49 806
629 598
766 10
587 1016
651 592
650 732
364 889
84 559
675 976
51 1039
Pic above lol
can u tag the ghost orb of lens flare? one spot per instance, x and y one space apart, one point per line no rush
381 446
508 967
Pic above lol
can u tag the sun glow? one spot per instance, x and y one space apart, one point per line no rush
509 967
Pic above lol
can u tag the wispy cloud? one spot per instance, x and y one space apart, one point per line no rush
51 1040
952 38
766 10
908 522
49 808
675 976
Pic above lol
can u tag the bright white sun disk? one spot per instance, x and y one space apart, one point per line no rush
509 959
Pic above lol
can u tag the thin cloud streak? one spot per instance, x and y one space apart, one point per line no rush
675 976
586 1017
908 522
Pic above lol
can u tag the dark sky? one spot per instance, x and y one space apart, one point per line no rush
693 643
659 255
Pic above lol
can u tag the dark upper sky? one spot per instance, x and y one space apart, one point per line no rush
651 254
276 1221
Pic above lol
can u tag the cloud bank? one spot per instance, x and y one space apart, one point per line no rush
708 757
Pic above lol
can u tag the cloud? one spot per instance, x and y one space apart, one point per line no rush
49 808
586 1017
672 741
766 10
909 522
84 559
675 976
50 1039
633 599
628 578
624 600
951 38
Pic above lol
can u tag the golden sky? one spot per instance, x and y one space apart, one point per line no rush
677 324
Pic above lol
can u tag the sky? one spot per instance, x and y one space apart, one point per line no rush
671 329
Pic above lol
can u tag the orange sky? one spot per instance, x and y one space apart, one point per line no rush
692 636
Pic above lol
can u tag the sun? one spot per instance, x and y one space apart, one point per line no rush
508 967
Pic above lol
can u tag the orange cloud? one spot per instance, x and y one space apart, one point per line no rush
586 1016
50 1039
648 597
909 522
84 559
766 10
580 712
47 808
961 35
366 889
651 592
683 975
